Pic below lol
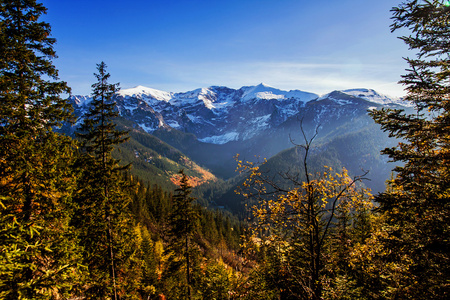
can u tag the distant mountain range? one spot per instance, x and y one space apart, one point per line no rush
206 127
219 115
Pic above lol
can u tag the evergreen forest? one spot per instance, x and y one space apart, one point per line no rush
78 223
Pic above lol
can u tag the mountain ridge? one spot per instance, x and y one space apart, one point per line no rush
219 114
211 125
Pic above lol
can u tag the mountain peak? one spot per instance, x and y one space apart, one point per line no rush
220 115
145 92
365 94
263 91
373 96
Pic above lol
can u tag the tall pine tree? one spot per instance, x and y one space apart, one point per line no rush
182 250
417 204
104 216
36 183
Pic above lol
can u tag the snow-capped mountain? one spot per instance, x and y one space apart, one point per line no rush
372 96
368 95
266 92
215 114
210 125
219 115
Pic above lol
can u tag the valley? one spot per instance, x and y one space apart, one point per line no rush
201 131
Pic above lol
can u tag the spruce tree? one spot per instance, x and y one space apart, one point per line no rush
36 182
416 206
183 226
104 220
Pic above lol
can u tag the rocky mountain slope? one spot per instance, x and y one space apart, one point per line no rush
215 115
210 125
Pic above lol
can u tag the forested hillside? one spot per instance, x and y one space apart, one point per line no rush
98 208
210 126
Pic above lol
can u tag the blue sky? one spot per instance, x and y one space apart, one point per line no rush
181 45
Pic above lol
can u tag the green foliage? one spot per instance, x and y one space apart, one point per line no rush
97 132
103 217
183 226
38 252
71 223
74 225
29 92
292 226
416 207
215 282
215 241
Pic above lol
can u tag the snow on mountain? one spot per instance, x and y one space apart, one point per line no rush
205 95
81 100
221 139
143 92
219 115
266 92
216 114
345 97
212 99
373 96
